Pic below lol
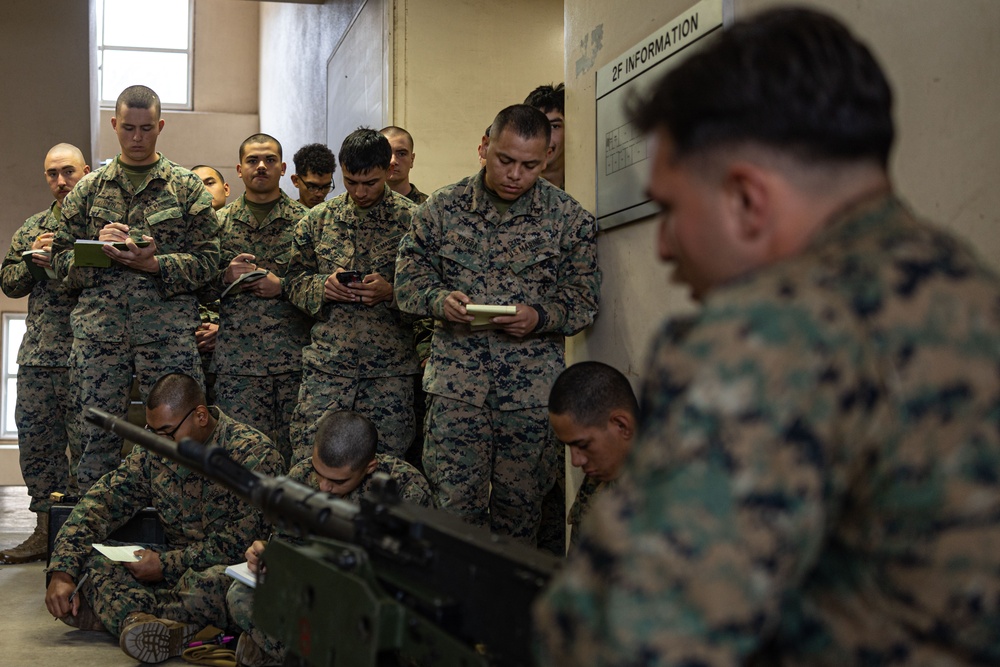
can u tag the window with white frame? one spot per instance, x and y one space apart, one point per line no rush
13 332
148 42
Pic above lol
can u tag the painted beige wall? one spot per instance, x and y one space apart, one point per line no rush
939 58
457 63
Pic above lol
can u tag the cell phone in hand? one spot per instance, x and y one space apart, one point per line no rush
347 277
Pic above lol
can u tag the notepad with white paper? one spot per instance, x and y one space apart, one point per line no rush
119 554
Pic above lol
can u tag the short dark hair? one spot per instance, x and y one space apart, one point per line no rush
527 121
394 130
589 391
138 97
345 438
218 174
259 138
178 391
315 158
548 98
791 79
365 149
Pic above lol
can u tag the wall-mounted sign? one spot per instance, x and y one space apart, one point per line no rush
622 152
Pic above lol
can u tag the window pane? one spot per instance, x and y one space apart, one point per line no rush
10 396
148 24
16 328
166 73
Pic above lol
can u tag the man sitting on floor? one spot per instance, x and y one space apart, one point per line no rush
343 461
158 602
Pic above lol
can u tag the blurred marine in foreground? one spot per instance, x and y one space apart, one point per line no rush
815 478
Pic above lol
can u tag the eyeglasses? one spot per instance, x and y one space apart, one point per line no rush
170 433
316 187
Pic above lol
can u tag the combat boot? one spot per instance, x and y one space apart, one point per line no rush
32 549
150 639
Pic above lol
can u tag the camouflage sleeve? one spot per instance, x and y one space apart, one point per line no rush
209 312
15 278
413 486
239 525
573 303
725 498
110 503
418 288
72 226
189 271
303 284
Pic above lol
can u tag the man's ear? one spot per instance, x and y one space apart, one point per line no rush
623 421
750 197
370 468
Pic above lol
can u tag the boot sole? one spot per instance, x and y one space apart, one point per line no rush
154 641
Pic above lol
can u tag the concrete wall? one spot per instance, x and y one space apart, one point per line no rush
295 43
457 63
939 58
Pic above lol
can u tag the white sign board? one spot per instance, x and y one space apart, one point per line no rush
622 151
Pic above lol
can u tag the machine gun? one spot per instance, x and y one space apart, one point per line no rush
386 583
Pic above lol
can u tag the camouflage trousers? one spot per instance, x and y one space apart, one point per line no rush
114 594
265 402
239 604
44 414
103 373
491 467
387 402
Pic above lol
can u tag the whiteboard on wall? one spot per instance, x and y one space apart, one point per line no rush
357 76
623 153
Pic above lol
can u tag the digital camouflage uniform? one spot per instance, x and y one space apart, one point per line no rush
43 411
258 352
205 525
412 487
127 321
415 195
361 357
585 495
814 481
487 422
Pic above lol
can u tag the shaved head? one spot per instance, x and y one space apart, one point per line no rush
68 150
64 166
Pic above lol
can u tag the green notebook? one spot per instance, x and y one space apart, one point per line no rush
87 252
37 272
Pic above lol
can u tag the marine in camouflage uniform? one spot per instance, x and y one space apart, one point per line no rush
127 321
488 444
585 496
204 524
258 351
44 409
815 477
412 487
361 357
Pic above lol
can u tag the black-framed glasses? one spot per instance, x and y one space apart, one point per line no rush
317 187
170 433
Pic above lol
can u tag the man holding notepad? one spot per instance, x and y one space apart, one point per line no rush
499 238
43 405
138 315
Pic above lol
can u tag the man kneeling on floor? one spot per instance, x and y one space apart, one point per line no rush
156 604
343 461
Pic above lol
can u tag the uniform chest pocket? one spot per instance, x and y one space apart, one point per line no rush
538 265
162 215
330 256
105 215
455 260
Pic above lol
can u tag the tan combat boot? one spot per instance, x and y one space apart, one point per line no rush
150 639
32 549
